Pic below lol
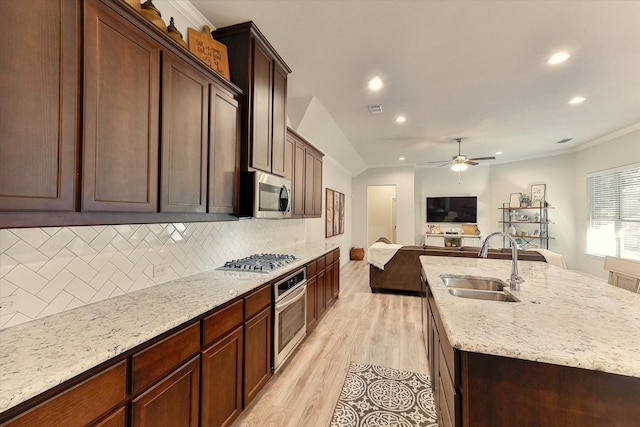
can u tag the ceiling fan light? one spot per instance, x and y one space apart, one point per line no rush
459 167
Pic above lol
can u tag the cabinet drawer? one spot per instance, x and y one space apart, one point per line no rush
312 269
321 263
257 301
81 404
328 258
156 361
221 322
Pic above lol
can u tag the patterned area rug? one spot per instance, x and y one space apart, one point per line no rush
375 396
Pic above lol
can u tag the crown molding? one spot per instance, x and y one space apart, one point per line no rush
196 19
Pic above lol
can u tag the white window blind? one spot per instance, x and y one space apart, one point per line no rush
614 213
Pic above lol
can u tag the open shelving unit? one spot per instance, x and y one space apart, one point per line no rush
538 235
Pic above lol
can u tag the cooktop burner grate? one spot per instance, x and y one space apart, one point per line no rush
259 263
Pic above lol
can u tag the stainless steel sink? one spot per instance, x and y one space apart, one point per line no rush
473 282
483 295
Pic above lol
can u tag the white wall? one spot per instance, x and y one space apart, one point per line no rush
620 151
434 182
557 173
403 179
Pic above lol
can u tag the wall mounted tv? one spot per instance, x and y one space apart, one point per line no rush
452 209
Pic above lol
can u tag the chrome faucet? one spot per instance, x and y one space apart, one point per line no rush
515 279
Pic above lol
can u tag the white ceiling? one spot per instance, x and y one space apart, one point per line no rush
469 69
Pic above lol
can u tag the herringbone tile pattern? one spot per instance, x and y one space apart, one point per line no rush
55 269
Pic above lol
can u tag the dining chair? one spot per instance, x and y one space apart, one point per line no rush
623 273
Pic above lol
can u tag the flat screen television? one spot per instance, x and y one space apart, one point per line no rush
452 209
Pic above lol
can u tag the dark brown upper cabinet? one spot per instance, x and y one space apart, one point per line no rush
224 152
261 73
39 78
121 114
111 121
185 134
305 163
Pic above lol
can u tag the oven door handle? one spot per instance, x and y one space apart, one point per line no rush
292 298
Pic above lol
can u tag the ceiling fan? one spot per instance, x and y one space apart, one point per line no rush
460 162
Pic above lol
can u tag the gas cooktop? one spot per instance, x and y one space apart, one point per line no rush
259 263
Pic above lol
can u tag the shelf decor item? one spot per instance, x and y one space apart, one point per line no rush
514 200
153 14
538 195
211 51
175 34
525 201
135 4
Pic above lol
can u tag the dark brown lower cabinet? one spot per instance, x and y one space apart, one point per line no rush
117 418
173 402
482 390
82 404
257 354
312 308
221 394
336 277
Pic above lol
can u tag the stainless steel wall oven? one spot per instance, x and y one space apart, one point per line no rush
290 315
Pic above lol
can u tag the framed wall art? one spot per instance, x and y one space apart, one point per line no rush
514 200
538 195
334 213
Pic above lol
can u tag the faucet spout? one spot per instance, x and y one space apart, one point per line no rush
515 279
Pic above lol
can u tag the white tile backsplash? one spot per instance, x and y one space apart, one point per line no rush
54 269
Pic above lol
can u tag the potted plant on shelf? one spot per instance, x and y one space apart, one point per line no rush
525 201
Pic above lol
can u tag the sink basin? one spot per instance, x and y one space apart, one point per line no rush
483 295
473 282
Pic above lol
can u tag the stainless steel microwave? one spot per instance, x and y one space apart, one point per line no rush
265 195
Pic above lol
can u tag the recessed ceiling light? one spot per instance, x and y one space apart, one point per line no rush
401 119
498 153
401 158
558 58
375 83
577 100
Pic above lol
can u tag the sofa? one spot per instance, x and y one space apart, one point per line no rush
402 273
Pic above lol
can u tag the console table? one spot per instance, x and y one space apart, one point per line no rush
455 240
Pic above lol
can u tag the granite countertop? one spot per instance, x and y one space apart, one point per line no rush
38 355
563 317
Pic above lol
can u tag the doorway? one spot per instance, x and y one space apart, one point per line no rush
381 213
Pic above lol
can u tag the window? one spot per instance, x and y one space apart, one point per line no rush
613 198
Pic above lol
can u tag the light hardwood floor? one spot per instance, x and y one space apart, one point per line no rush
380 329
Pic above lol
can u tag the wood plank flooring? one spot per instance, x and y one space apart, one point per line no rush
380 329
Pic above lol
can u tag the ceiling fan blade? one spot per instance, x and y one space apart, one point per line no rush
482 158
469 162
444 164
440 161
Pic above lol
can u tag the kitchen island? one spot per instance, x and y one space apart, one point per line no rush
568 353
38 356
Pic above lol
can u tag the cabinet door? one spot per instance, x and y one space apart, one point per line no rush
309 176
257 353
222 381
185 133
39 98
278 156
312 299
116 419
299 175
224 153
322 292
121 114
317 186
289 164
173 402
260 109
329 284
336 278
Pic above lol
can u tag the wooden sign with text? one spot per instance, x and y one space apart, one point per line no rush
212 52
